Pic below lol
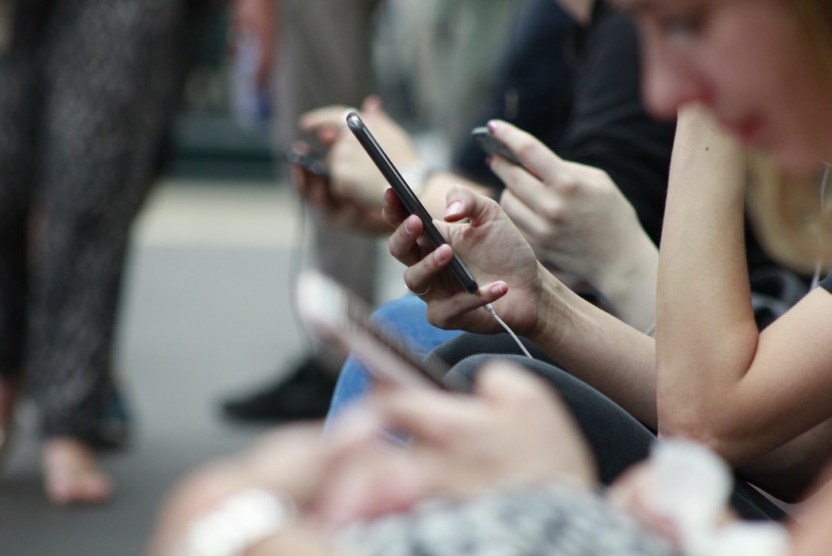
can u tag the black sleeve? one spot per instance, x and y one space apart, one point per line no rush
610 127
534 88
584 102
827 283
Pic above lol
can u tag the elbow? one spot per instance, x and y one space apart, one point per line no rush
676 422
700 424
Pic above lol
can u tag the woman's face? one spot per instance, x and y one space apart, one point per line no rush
748 60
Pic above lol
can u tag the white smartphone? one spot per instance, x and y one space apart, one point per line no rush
339 319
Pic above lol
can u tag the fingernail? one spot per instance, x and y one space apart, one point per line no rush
442 254
499 288
453 208
492 126
408 227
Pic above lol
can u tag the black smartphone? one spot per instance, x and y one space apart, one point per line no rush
309 162
338 318
492 146
408 197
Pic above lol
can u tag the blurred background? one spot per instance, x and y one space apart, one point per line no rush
206 303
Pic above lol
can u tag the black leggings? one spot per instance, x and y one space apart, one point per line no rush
86 90
617 439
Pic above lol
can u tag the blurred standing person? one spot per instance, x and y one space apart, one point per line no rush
86 90
314 53
317 53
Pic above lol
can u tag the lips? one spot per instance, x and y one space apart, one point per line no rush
749 130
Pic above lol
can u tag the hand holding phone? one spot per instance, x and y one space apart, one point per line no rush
311 163
492 146
408 197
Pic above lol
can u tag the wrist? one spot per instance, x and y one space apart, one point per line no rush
628 284
416 175
552 309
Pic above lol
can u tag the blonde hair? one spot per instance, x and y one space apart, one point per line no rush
793 218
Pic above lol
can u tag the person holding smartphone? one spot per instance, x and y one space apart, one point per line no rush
320 55
312 53
755 58
757 397
616 173
577 221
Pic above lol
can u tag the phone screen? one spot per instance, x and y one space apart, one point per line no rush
408 197
340 318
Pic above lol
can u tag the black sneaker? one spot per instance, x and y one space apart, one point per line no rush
306 394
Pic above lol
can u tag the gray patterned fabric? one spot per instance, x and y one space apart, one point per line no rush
548 520
86 89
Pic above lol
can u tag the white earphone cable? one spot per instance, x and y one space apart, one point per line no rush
511 333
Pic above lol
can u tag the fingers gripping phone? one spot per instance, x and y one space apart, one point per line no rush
311 163
493 146
338 317
408 197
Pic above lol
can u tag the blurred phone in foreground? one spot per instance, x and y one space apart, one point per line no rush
492 146
309 162
340 319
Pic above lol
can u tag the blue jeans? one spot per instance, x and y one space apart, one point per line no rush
406 316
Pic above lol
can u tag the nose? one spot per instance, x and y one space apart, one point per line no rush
669 81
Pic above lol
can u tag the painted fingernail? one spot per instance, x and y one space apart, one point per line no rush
453 208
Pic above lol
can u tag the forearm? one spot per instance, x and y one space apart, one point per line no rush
628 287
720 381
598 348
303 539
706 333
789 471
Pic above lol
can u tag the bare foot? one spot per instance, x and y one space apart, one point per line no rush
72 475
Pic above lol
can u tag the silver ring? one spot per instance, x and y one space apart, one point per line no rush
417 294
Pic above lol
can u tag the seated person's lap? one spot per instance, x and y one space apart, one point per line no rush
617 439
406 317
